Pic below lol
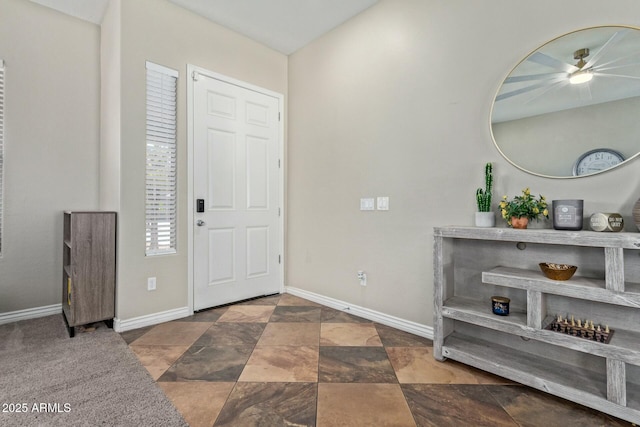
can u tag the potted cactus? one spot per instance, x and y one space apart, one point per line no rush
484 216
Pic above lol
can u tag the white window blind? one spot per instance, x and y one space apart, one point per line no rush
1 148
161 192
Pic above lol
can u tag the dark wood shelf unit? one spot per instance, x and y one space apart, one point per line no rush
89 268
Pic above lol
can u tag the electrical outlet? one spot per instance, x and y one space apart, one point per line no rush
362 277
151 283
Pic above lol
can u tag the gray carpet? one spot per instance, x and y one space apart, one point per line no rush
91 379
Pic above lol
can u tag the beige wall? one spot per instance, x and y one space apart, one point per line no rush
393 103
158 31
51 144
396 103
110 98
549 144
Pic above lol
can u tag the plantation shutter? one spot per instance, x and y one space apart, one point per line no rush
161 190
1 147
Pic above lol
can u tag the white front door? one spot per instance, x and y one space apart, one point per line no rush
237 237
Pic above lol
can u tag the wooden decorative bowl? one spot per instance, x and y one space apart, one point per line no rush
557 271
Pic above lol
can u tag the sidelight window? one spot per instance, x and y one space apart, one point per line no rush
161 170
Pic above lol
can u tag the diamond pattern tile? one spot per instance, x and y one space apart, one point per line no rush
282 360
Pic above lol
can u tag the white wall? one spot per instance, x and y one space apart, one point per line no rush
396 103
51 144
161 32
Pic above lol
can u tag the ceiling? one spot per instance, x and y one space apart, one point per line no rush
283 25
89 10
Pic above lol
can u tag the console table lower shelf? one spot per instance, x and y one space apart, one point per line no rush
571 382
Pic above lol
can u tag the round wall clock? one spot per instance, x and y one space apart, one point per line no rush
596 160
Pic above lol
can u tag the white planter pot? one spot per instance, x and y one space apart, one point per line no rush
485 219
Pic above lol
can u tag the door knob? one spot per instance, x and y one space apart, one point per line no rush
200 223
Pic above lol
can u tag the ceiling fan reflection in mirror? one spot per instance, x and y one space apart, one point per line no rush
582 74
576 93
548 71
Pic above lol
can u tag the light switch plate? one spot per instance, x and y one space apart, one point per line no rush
367 204
383 203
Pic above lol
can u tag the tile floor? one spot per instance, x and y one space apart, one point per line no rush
282 360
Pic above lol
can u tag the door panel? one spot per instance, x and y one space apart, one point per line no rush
221 156
222 256
257 173
236 170
257 114
221 105
258 251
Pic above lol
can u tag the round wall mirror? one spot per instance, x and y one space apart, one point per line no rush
571 108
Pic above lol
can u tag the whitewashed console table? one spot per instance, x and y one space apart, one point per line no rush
473 264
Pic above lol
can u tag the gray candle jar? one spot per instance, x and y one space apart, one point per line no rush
567 214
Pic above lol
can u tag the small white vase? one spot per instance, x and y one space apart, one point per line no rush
485 219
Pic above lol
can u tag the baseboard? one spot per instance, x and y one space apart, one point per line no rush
120 325
375 316
30 313
166 316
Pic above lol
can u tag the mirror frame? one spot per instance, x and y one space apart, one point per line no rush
497 92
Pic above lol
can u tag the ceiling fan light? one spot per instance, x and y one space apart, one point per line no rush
580 76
